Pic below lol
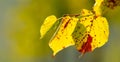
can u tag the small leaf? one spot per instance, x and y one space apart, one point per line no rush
48 23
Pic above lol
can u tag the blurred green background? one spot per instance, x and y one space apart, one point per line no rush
20 22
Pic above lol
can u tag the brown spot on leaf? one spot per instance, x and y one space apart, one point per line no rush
63 47
58 37
66 23
104 31
85 18
96 16
91 21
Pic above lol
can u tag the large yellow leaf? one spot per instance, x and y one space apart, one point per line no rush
97 29
94 35
63 38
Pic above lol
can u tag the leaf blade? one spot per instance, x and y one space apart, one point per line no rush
48 23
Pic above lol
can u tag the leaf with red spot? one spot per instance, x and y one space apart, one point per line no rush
91 32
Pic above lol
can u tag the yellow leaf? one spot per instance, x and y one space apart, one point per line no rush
95 35
63 38
48 23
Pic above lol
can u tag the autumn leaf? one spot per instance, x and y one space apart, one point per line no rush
63 38
93 34
48 23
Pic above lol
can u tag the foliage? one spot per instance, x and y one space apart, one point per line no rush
86 31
